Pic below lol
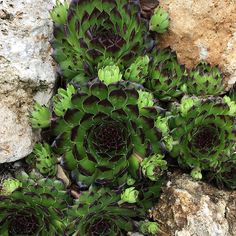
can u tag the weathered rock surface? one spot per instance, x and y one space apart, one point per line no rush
203 30
190 208
26 71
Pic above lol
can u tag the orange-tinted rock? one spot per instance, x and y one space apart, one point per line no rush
203 30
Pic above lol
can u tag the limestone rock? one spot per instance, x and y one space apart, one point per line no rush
26 71
190 208
203 30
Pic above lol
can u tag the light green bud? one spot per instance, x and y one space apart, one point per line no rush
45 160
59 12
196 174
145 99
40 117
130 181
62 100
186 104
231 104
159 22
153 167
130 195
149 228
110 74
10 185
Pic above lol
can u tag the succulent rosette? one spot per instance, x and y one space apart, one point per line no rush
95 30
105 134
45 159
166 75
203 132
97 212
159 21
138 70
205 80
40 117
149 228
225 174
34 209
153 167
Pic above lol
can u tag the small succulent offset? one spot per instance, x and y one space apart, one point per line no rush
62 100
9 185
129 195
97 213
145 99
154 166
166 76
94 31
203 133
159 21
205 80
110 74
149 228
40 117
34 209
45 159
196 173
103 128
59 13
138 70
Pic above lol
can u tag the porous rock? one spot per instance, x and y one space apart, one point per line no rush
26 71
191 208
203 30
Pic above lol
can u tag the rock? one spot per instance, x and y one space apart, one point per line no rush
203 30
190 208
26 71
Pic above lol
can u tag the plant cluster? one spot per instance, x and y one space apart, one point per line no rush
129 112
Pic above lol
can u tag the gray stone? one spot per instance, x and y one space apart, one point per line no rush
26 71
190 208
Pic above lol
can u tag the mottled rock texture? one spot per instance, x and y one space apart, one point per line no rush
203 30
190 208
26 71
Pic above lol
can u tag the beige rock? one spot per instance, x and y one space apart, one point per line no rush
190 208
203 30
26 71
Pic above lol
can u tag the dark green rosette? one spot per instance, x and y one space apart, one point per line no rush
225 174
36 208
106 133
94 31
166 75
205 80
203 132
98 212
